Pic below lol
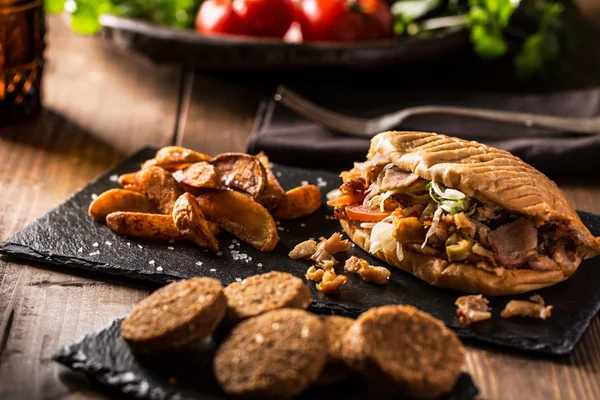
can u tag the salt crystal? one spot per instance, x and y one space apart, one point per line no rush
171 248
94 196
108 243
238 279
94 253
259 338
80 250
178 175
305 332
304 183
231 246
280 228
220 253
259 265
212 270
278 174
140 246
114 178
151 262
128 244
276 325
234 241
198 263
159 269
95 244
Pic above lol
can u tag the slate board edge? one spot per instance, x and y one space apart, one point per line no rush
562 347
134 385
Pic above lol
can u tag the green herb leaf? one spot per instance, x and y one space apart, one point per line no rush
543 47
54 6
488 20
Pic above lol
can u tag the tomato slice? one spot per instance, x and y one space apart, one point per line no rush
359 212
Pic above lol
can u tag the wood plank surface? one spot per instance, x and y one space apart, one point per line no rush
100 107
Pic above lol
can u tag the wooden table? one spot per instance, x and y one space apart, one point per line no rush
101 106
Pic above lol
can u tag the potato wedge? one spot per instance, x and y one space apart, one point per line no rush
198 177
160 187
127 179
142 225
119 200
238 214
299 202
190 221
274 193
177 155
241 172
173 158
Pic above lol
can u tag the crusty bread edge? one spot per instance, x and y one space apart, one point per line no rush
458 276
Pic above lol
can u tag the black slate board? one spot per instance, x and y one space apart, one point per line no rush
67 236
187 373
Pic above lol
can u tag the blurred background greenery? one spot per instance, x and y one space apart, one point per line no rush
531 32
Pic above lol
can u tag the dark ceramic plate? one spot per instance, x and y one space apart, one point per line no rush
67 236
187 373
188 48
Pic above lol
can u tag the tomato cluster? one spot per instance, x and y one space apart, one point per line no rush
319 20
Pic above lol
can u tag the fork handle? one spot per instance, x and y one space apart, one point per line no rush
582 125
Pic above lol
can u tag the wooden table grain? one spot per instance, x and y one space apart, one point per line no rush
101 106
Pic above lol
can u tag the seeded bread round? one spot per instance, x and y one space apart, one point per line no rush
276 355
175 315
261 293
335 369
405 350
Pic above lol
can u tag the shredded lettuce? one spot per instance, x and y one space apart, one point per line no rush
450 200
434 224
399 251
382 237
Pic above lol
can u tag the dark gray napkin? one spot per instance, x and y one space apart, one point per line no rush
290 139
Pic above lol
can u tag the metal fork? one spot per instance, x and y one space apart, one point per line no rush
373 126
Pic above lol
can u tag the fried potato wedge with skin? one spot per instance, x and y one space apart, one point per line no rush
171 167
190 221
126 179
299 202
143 225
160 187
274 194
119 200
241 172
241 216
198 177
173 158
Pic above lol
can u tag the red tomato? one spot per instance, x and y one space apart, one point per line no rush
329 20
218 16
267 18
344 20
379 21
359 212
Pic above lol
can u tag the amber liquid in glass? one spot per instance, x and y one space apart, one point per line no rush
22 31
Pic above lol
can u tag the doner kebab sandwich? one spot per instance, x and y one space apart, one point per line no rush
461 215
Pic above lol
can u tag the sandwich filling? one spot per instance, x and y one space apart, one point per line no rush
403 212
